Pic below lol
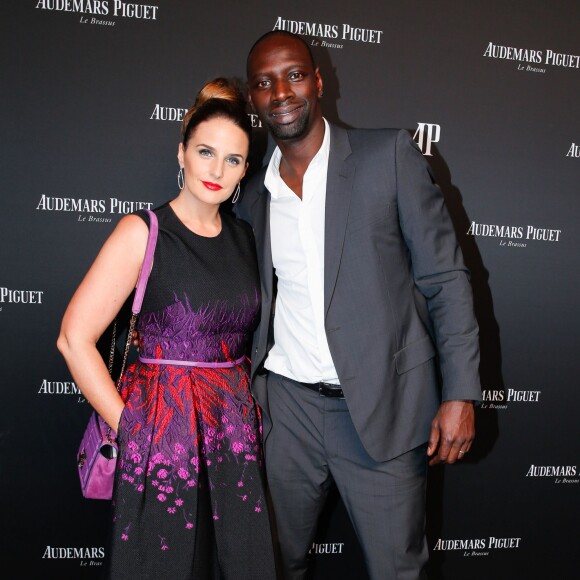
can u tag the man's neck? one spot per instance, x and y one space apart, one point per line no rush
297 155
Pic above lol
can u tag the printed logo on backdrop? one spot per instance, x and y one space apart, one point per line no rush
91 210
515 236
330 35
504 398
574 151
327 548
532 60
560 474
163 113
92 556
19 296
425 135
61 389
477 546
101 12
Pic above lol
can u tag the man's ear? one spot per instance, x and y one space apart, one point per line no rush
250 102
319 83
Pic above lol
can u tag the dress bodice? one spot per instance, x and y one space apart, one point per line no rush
202 301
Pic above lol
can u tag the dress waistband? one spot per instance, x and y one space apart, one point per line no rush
187 363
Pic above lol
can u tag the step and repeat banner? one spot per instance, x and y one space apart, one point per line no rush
92 97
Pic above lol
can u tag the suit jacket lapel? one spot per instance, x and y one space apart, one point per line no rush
260 212
338 195
264 242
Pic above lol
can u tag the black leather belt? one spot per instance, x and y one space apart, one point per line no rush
325 389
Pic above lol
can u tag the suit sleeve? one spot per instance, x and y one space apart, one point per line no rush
439 271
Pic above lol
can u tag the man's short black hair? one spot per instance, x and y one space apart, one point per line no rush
272 33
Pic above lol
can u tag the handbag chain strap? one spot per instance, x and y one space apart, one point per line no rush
127 346
138 300
112 349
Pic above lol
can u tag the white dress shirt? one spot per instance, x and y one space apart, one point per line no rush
300 349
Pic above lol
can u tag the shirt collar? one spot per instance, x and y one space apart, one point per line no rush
273 178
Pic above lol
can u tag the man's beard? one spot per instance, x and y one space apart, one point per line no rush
293 130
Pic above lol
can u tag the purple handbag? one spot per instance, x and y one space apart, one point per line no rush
97 454
97 459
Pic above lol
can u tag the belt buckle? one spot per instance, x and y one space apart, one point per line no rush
322 386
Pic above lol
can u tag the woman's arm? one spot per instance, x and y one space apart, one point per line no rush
94 305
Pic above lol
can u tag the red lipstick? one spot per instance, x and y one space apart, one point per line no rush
212 186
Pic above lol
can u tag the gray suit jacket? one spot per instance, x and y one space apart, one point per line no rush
397 298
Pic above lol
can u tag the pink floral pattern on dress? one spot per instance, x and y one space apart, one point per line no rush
188 430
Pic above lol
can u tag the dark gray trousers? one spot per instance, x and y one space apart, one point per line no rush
312 444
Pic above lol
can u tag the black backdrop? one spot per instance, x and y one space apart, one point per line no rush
91 94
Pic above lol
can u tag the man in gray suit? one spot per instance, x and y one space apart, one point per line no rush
358 255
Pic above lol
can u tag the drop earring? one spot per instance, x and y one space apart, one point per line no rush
236 193
180 179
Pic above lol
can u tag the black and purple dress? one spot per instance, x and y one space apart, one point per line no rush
189 499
